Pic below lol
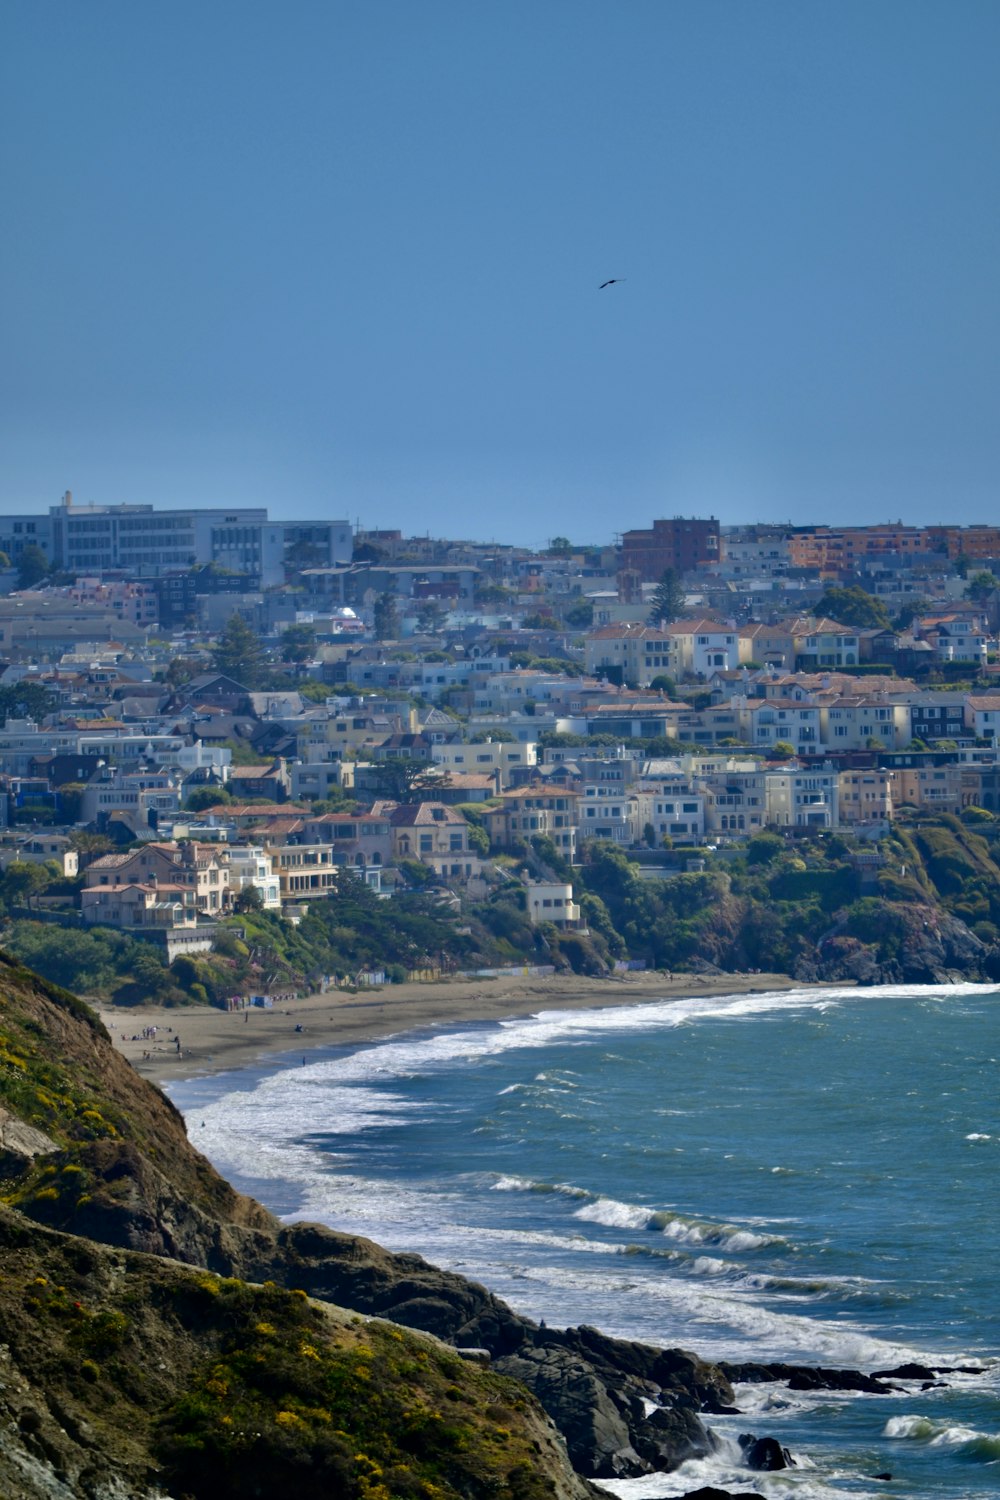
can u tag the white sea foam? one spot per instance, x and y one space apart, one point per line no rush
282 1126
725 1471
615 1215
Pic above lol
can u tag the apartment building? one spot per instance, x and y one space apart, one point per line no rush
527 812
865 796
681 542
799 798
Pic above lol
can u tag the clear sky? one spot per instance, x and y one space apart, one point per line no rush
343 259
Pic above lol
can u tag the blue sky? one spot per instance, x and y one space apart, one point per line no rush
343 260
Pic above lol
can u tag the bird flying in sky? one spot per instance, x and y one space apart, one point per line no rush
613 282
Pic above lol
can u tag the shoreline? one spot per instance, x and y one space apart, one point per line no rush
217 1041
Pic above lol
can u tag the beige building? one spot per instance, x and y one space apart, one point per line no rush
532 812
933 788
437 835
866 796
200 868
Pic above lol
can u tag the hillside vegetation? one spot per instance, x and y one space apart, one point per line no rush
922 905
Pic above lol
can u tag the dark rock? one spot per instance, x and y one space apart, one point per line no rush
806 1378
764 1454
905 1372
709 1492
597 1436
886 1477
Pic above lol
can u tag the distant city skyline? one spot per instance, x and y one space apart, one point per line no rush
345 262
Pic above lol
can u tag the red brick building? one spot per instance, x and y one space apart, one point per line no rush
681 543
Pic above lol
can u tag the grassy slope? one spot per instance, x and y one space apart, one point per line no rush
132 1365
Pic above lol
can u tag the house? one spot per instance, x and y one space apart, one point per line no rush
673 810
865 796
271 781
824 643
849 723
252 866
165 914
43 849
435 834
767 722
489 755
535 811
201 868
982 716
552 901
630 653
702 646
362 840
735 801
954 637
800 798
305 871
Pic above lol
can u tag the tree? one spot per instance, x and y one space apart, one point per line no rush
207 796
298 643
22 880
980 586
25 700
304 554
367 552
560 546
249 900
479 840
668 601
853 606
239 653
911 610
32 566
403 780
580 616
71 799
386 617
429 616
493 593
180 670
763 848
664 684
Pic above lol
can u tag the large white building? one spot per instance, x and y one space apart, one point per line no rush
143 540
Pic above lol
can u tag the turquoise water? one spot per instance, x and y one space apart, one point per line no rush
806 1176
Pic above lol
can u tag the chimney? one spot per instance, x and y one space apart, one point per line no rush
67 500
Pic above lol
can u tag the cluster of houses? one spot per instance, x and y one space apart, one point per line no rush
525 703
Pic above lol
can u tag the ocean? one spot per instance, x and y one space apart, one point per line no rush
807 1175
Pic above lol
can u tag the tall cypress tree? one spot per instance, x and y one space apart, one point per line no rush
668 601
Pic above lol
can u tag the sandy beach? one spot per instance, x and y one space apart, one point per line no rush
217 1041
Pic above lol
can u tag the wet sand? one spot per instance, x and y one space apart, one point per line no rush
217 1041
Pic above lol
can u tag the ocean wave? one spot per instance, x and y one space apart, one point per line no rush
730 1237
614 1215
511 1184
720 1322
979 1447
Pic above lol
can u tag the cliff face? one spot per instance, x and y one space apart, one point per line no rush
164 1330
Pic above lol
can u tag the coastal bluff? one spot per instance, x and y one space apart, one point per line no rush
166 1336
